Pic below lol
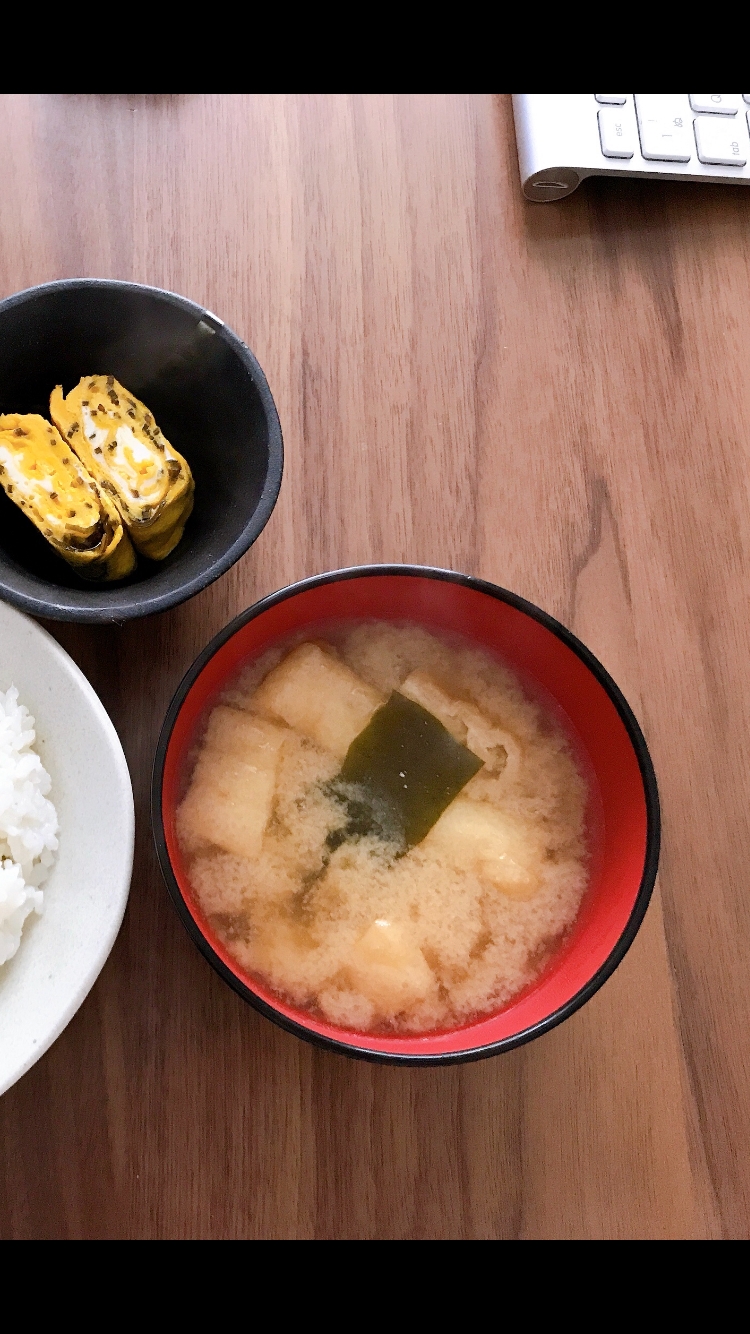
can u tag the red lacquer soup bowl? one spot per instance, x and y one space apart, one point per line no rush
624 803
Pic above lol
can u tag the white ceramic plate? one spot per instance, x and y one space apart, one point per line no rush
62 952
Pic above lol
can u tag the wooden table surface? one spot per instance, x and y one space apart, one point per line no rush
555 397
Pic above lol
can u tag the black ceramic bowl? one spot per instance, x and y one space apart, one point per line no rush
208 395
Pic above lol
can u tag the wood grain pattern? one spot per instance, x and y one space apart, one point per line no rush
553 397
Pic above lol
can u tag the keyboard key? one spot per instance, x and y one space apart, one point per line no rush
612 99
721 142
615 133
718 104
663 127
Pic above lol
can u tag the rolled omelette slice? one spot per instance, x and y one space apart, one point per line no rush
117 439
44 477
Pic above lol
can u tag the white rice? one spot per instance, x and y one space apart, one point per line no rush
28 823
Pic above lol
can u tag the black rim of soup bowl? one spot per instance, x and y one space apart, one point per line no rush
116 603
648 776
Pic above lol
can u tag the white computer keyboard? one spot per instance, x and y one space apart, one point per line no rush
564 137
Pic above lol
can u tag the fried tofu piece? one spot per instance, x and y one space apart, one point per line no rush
319 696
231 793
495 845
500 752
389 969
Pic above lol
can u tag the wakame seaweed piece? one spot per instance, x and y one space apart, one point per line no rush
407 767
366 815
